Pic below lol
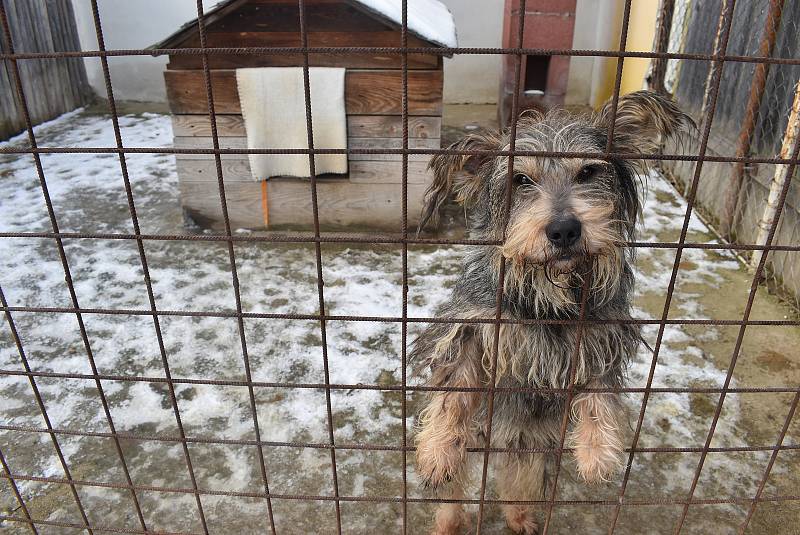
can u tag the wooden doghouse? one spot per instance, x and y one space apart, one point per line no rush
370 194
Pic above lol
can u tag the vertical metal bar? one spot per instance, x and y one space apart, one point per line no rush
42 410
404 324
737 348
626 15
23 106
232 261
585 290
16 492
318 255
757 87
573 365
623 39
710 100
149 290
134 219
502 274
74 298
784 430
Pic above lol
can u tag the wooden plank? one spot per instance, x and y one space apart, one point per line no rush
350 61
340 38
388 172
201 203
392 126
200 125
193 142
207 143
391 143
342 205
52 86
357 126
285 16
380 92
376 92
205 170
240 16
360 172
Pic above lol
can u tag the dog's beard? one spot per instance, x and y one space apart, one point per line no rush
563 262
567 269
535 262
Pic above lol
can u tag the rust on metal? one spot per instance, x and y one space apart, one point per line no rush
25 515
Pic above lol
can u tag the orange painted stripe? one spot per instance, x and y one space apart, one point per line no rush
264 203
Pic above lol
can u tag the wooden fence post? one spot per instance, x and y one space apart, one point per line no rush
779 179
658 67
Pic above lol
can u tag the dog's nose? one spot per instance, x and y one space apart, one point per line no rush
563 232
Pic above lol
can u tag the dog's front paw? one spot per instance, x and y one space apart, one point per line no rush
438 462
598 462
596 436
521 519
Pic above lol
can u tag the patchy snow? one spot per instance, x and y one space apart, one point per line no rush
88 195
22 138
681 364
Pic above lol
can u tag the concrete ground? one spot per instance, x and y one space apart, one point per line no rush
360 280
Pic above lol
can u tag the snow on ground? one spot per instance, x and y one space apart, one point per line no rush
88 196
664 212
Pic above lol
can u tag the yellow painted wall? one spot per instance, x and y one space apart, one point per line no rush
641 33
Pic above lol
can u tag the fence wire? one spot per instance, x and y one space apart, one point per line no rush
712 62
752 123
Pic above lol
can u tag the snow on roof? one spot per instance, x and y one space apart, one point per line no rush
427 19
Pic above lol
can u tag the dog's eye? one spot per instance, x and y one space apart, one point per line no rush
586 173
523 180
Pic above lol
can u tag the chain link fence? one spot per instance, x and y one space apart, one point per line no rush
752 119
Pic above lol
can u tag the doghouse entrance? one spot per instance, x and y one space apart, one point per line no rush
536 71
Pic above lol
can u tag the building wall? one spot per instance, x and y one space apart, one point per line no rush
597 27
468 78
136 24
472 79
641 34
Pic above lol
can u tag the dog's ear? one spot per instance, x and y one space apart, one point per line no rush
461 175
644 120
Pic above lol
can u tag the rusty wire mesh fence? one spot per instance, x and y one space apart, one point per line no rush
714 62
752 120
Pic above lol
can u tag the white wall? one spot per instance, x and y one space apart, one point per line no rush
474 78
140 23
579 84
597 27
132 24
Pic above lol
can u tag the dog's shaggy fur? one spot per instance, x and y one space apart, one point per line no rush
543 279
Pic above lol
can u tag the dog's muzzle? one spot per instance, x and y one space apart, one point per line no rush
563 232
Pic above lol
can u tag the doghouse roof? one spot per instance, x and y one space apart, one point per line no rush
429 20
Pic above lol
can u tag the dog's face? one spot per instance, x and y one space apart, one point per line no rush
563 211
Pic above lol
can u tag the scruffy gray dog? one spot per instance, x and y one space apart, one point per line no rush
567 221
